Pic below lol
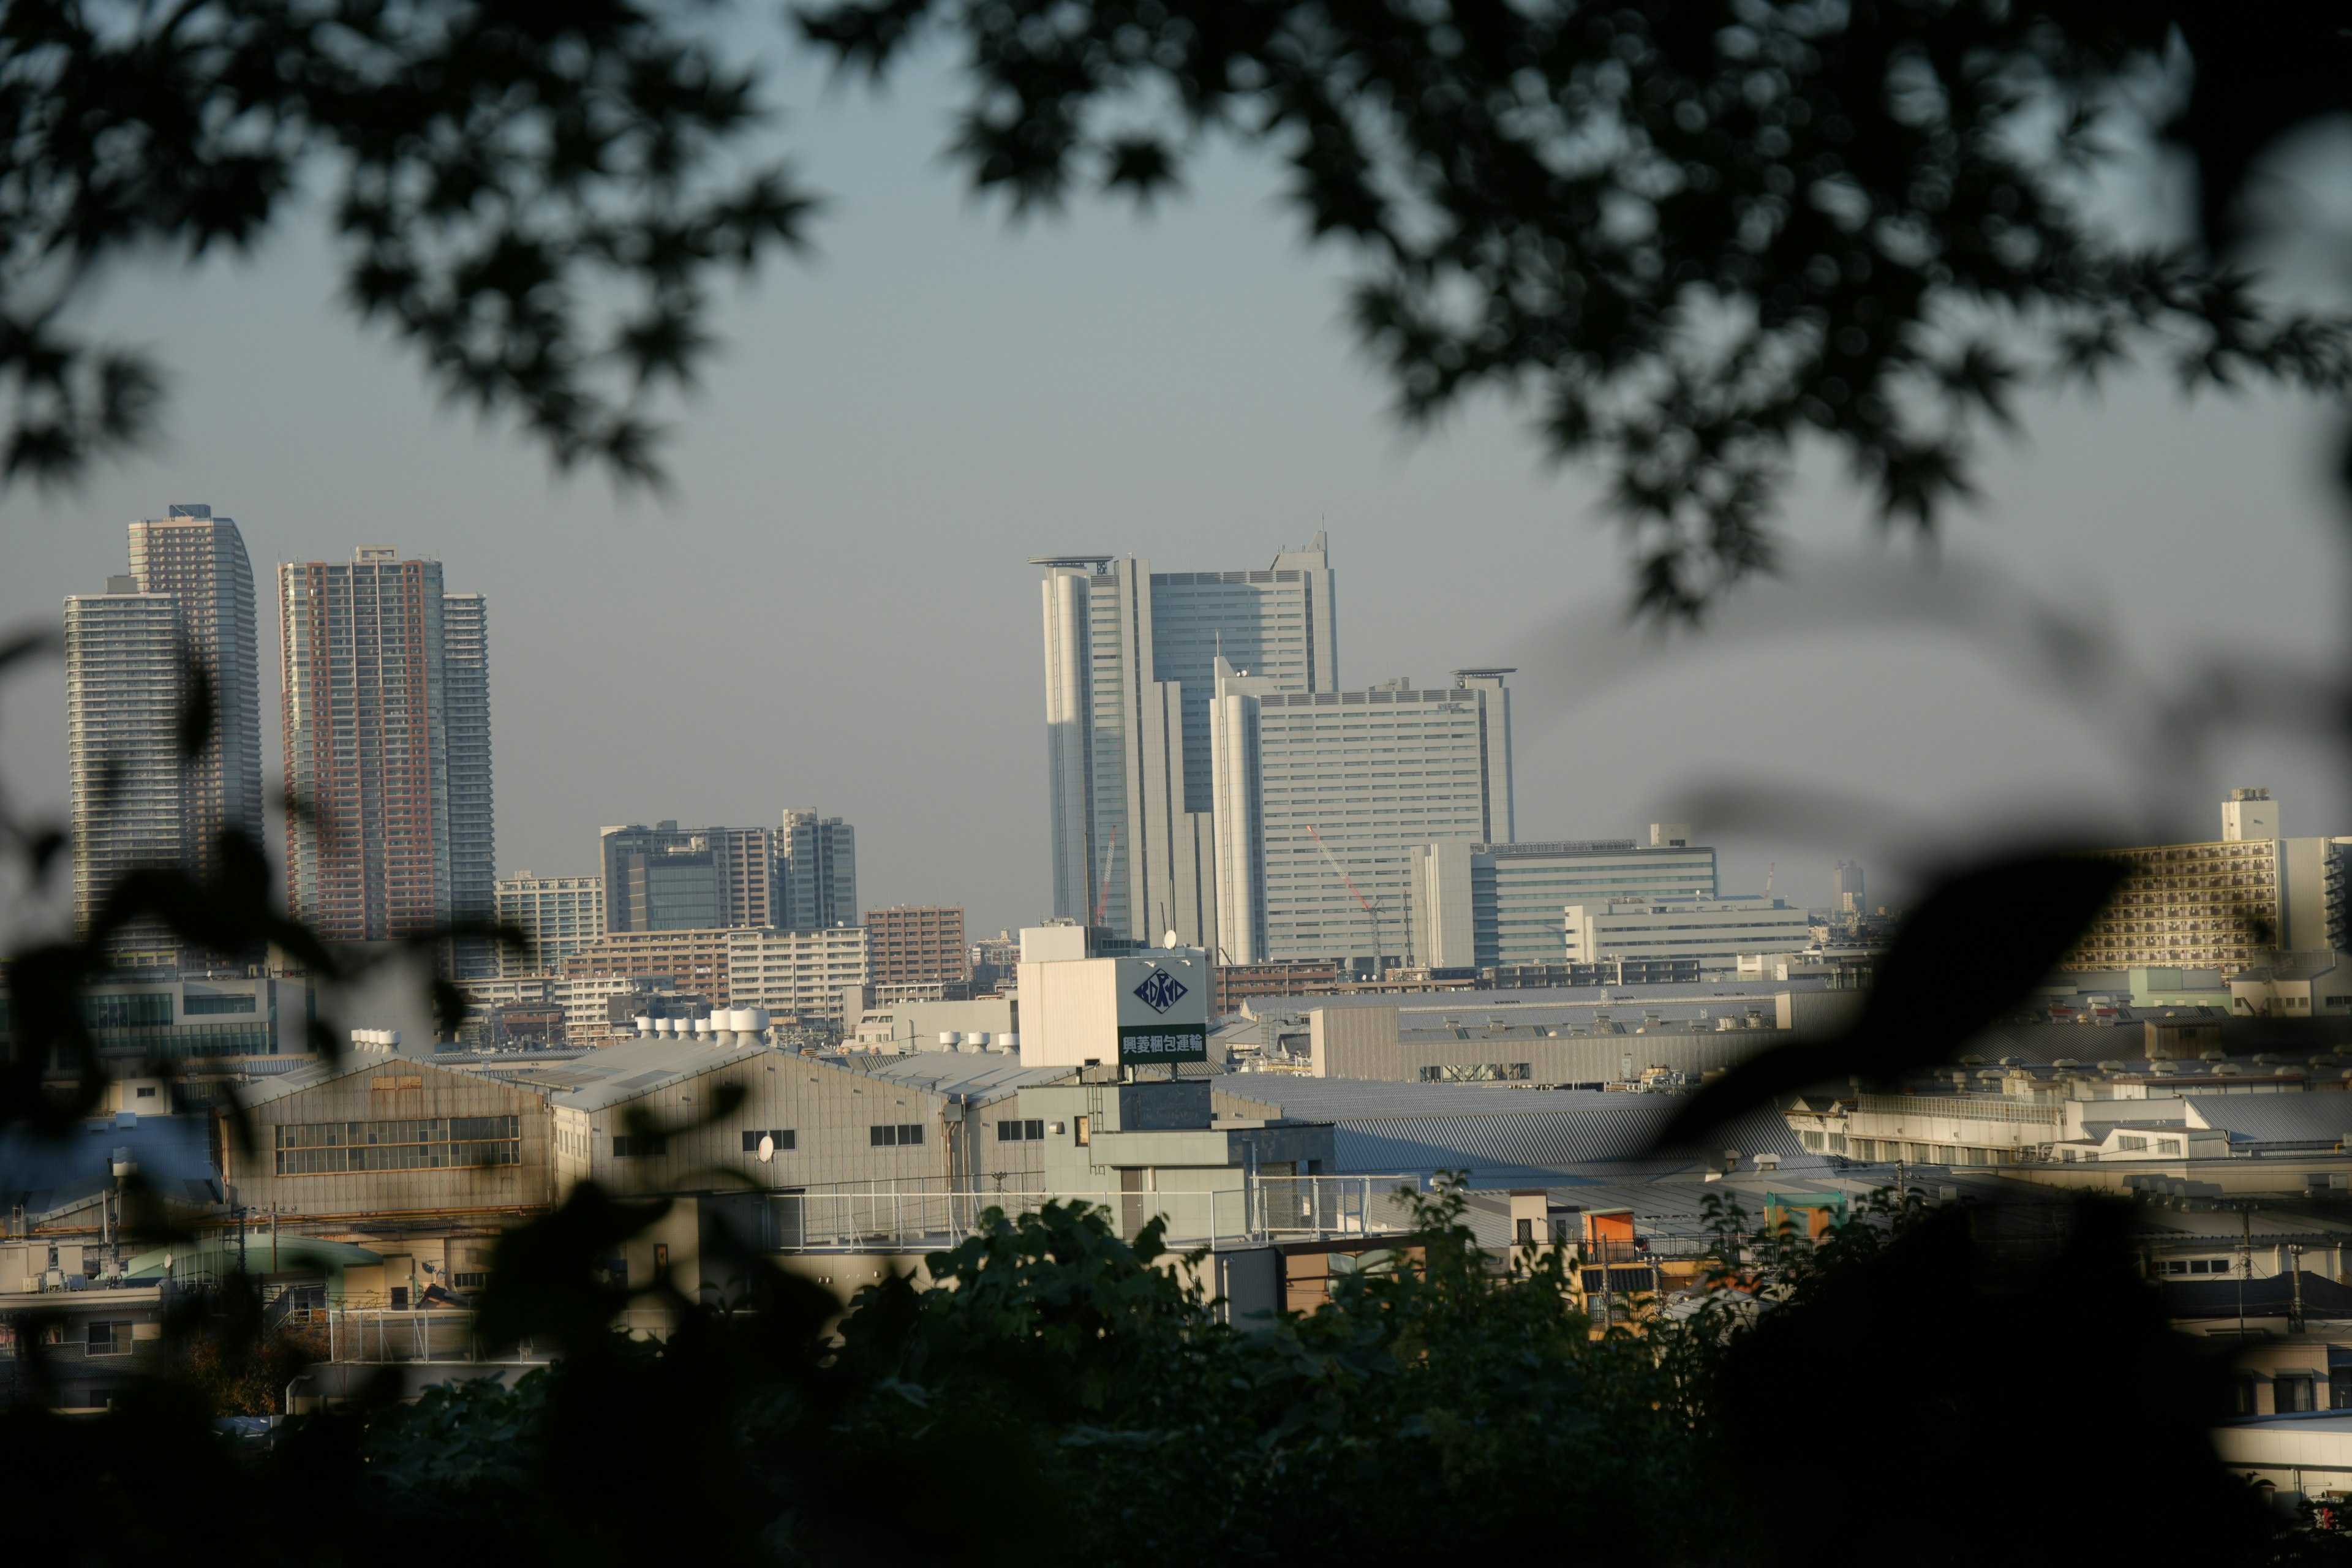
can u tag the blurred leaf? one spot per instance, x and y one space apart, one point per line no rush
2004 926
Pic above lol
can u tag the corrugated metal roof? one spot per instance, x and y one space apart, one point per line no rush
981 1077
2290 1117
635 1069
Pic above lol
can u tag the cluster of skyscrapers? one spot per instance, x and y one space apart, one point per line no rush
1212 782
384 709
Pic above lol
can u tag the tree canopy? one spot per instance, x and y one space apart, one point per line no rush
1691 235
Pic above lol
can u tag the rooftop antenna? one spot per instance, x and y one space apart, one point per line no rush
1769 869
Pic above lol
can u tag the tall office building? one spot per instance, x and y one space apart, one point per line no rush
1846 897
368 708
1131 659
200 560
1348 788
123 691
817 872
667 877
473 818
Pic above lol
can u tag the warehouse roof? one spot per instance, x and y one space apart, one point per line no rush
977 1076
636 1068
1496 1131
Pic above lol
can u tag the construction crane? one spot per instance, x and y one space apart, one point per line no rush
1379 936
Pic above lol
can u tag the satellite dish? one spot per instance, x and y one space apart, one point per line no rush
1170 939
767 1147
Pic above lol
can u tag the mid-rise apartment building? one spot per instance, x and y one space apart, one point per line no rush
560 914
915 943
1325 801
693 960
795 974
369 710
2224 904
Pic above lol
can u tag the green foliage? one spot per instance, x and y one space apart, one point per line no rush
1690 235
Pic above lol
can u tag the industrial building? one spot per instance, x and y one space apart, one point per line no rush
1709 932
377 1136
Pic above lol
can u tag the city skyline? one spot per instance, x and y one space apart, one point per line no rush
1183 389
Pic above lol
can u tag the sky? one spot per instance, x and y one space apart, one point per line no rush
834 611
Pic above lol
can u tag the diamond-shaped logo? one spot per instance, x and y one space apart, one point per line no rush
1159 991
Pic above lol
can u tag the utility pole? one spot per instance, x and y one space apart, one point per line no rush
2294 1278
2246 1265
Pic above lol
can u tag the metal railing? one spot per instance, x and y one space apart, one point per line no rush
1263 1209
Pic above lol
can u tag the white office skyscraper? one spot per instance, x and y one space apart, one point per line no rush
1347 790
1130 677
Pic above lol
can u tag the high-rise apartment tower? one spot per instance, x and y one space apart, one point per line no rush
382 751
187 605
200 560
817 872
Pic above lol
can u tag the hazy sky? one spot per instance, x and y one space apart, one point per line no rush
834 612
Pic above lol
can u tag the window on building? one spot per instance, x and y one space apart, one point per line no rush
638 1148
2292 1393
107 1339
784 1136
1524 1233
473 1280
886 1137
1084 1128
332 1148
1014 1131
2130 1143
399 1297
2242 1395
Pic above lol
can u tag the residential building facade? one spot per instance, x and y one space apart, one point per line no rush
367 709
560 914
817 872
124 684
200 560
795 975
2225 904
473 816
692 960
913 943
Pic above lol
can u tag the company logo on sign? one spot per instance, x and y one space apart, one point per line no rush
1159 991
